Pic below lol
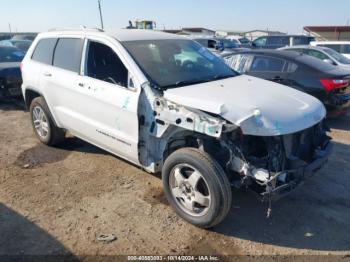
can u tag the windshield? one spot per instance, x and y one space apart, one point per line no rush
9 54
337 56
177 62
230 43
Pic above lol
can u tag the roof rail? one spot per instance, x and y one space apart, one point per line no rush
82 28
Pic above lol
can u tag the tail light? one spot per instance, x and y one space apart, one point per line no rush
332 84
21 66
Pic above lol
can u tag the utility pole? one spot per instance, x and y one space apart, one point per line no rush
99 7
10 28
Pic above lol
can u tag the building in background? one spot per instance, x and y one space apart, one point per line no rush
329 33
196 31
251 35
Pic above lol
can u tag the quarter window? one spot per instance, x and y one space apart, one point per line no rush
44 51
237 62
267 64
104 64
68 54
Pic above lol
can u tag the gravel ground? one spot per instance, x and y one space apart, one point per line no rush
59 200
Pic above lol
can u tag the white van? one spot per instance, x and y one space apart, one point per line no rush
342 47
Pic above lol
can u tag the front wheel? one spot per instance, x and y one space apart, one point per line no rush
196 187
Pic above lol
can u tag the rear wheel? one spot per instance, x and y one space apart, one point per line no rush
196 187
43 124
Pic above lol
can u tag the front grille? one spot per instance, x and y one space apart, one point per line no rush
307 141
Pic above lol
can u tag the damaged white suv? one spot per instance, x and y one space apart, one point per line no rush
168 105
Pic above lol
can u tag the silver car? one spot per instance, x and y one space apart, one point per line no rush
324 53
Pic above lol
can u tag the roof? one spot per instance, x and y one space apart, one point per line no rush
276 53
196 29
119 34
139 34
320 48
330 42
327 28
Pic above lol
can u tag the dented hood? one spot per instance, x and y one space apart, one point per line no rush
257 106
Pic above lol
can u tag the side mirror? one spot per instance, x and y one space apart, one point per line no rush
329 61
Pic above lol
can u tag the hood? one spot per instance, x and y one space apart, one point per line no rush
10 70
257 106
8 65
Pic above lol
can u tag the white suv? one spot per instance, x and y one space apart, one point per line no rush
168 105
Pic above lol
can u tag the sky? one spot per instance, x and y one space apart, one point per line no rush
288 16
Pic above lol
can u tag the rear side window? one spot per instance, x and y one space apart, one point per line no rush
44 51
104 64
267 64
68 54
278 41
300 40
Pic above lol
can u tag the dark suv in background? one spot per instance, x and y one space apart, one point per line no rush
274 42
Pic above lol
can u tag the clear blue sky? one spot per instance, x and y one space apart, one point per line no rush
284 15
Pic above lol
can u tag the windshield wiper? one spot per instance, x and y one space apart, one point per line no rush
186 82
221 76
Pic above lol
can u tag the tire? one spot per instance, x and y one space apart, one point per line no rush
47 131
211 187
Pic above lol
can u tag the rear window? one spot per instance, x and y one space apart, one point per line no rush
44 50
68 54
314 63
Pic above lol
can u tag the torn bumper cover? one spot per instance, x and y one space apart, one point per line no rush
300 175
274 166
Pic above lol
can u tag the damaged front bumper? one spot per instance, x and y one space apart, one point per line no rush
10 88
339 104
300 175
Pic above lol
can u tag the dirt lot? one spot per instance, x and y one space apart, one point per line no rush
58 200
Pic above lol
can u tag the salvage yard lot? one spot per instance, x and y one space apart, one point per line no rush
59 200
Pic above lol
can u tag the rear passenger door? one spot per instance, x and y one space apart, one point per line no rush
60 81
269 68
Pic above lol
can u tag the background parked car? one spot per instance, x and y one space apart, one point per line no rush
10 73
274 42
243 41
231 45
305 73
214 45
323 53
20 44
342 47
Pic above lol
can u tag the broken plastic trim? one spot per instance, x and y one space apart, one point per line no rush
170 113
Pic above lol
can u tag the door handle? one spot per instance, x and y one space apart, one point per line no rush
48 74
81 84
276 78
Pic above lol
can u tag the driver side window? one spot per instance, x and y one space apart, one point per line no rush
104 64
